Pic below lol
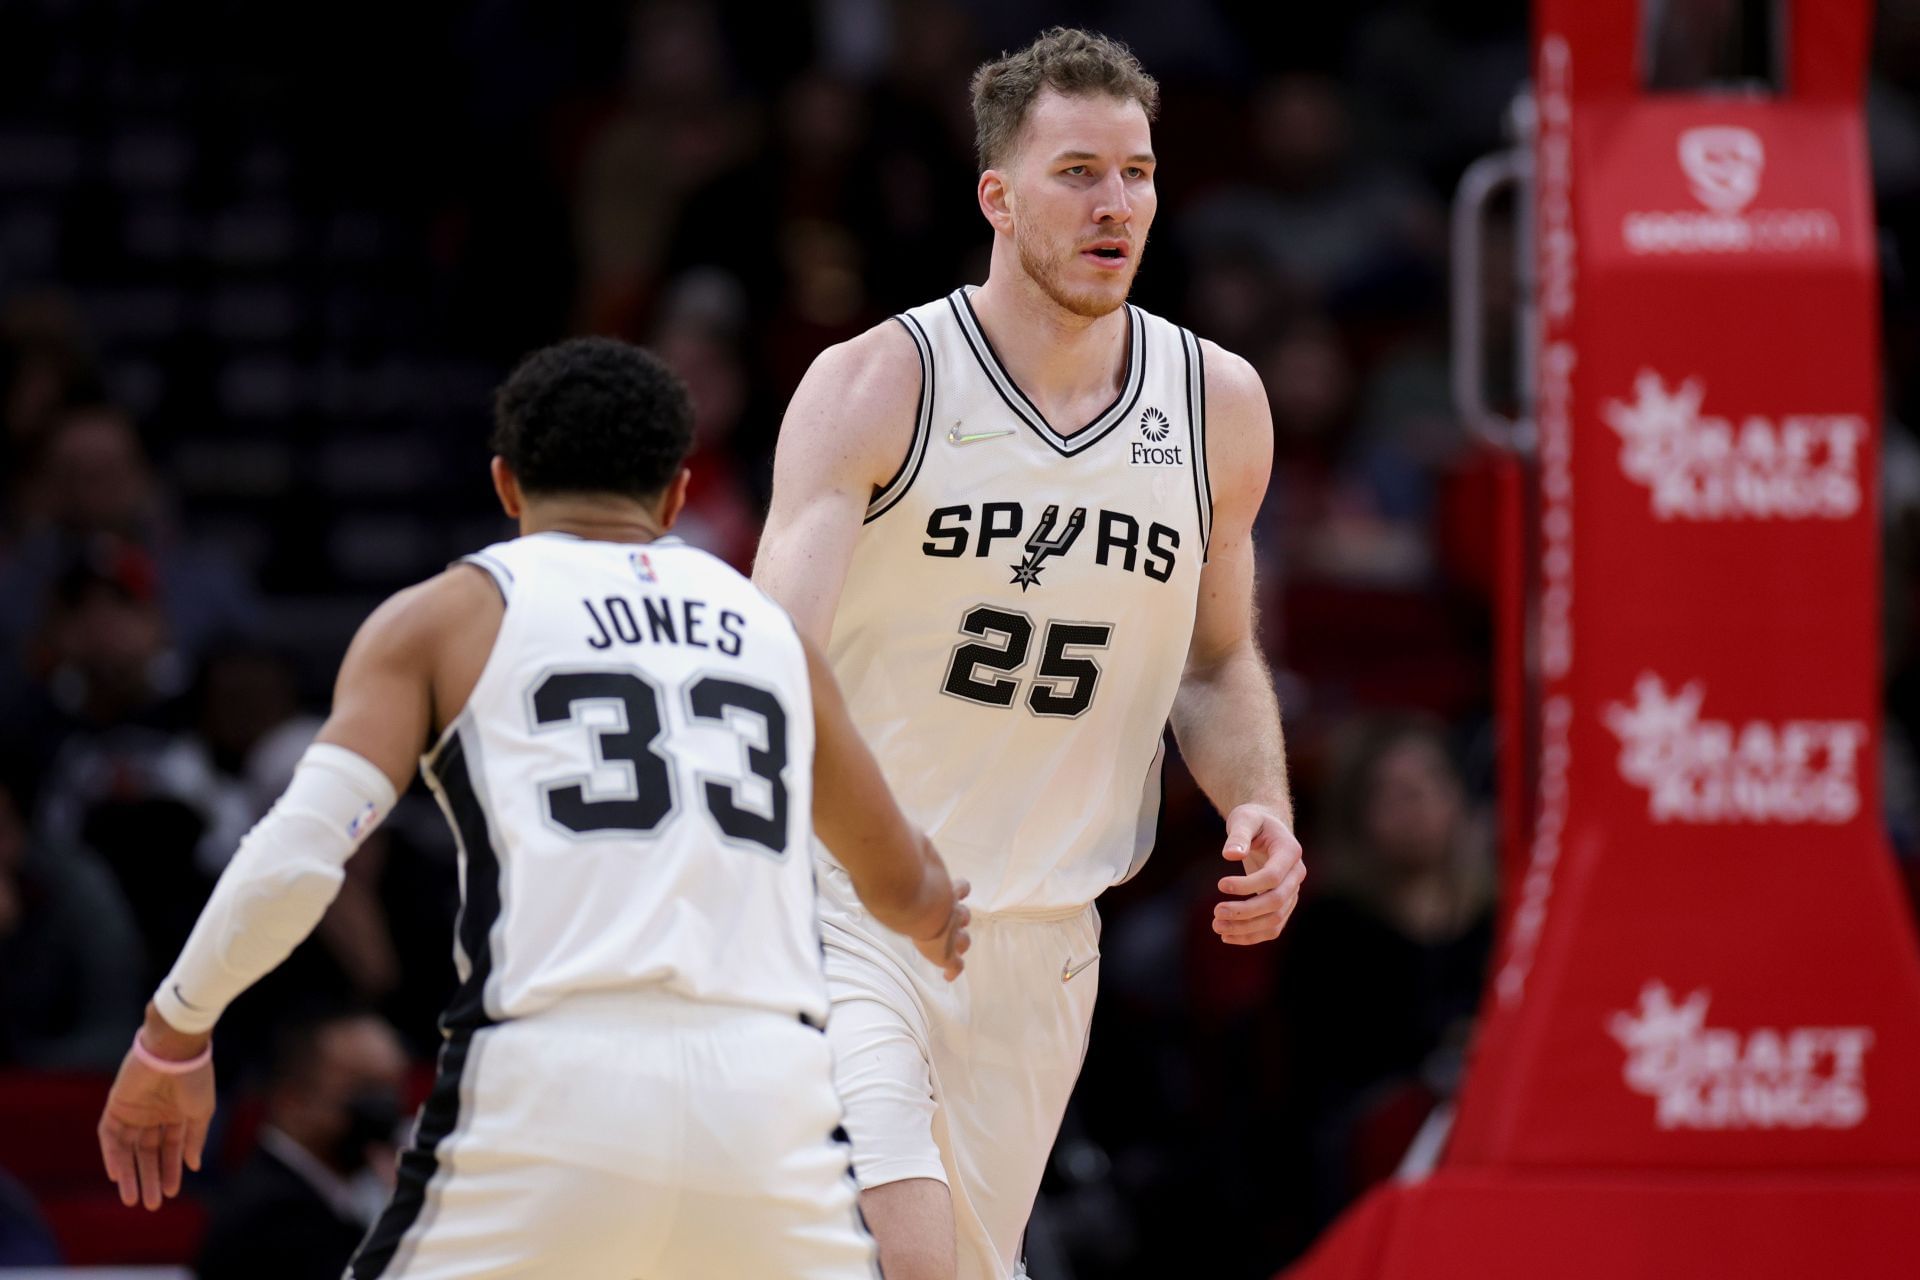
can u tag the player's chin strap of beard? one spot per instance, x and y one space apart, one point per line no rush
278 885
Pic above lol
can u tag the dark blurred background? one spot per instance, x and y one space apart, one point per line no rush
260 269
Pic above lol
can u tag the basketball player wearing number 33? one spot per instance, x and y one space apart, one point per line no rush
632 745
1015 604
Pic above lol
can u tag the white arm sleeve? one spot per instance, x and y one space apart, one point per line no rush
278 885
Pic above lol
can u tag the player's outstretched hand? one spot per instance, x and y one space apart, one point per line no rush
1261 899
945 948
154 1120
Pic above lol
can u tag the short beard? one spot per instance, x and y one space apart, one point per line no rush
1045 271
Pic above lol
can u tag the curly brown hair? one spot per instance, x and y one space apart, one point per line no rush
1068 61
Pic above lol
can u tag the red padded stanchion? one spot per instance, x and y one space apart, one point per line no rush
1701 1039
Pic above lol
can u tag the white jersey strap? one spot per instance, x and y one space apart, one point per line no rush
494 568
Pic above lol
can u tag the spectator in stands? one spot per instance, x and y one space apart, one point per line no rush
676 124
701 328
71 972
45 363
90 485
1313 206
98 738
325 1161
1404 916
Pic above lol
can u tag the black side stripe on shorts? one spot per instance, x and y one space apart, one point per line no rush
452 782
419 1163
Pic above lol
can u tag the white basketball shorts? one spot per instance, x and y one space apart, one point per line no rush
627 1137
964 1083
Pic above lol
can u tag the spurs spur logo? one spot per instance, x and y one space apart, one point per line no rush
1044 543
1718 1078
1696 466
1696 770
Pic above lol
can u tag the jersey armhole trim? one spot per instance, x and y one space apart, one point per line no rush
501 576
1197 434
896 488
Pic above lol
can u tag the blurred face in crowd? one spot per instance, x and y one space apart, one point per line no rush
1301 130
1417 808
105 639
1080 198
94 476
344 1105
1309 382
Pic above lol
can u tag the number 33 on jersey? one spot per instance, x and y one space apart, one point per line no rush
1019 608
645 721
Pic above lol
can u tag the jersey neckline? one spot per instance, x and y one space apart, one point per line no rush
961 301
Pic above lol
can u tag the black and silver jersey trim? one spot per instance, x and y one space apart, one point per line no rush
1197 430
1016 399
895 489
451 776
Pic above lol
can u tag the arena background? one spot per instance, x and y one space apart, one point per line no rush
260 269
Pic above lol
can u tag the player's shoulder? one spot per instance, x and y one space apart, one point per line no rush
412 628
1239 425
461 595
878 370
856 409
1233 384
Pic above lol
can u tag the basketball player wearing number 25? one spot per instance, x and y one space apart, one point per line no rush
1019 519
632 745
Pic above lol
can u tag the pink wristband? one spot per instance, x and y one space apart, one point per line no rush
170 1066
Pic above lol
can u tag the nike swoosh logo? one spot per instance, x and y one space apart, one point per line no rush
957 436
1068 969
183 1000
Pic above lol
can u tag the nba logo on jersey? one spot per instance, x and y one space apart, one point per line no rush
642 567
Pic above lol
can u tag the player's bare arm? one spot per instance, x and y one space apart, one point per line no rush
410 666
894 868
845 433
1226 717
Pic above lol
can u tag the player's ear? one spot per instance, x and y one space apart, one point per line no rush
506 487
674 500
996 200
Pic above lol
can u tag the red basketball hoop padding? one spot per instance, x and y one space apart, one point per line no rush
1700 1041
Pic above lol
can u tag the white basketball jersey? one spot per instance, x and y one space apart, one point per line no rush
631 786
1019 608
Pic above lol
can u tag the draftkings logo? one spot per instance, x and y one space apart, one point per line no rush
1802 466
1696 770
1148 451
1718 1078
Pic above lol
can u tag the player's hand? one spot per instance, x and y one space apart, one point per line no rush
945 948
1263 897
154 1121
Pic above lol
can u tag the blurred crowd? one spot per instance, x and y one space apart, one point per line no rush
258 273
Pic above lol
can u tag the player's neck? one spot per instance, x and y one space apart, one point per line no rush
1053 354
594 519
